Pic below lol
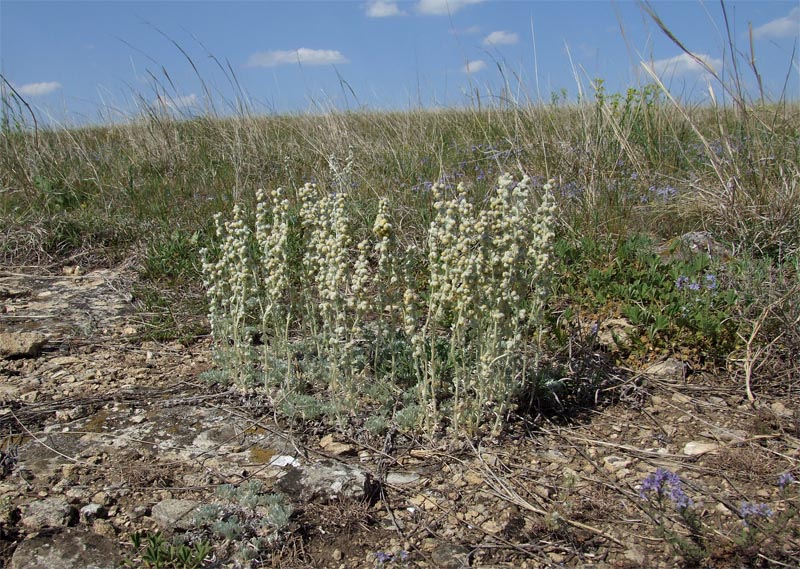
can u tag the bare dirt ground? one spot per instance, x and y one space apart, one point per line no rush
110 430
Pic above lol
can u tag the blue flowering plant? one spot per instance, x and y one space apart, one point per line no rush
384 559
785 481
664 485
661 489
675 302
750 512
763 529
764 525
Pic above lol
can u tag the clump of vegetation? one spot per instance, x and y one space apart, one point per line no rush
246 522
764 532
392 275
679 304
153 551
460 309
242 523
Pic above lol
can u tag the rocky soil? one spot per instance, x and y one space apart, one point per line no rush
104 434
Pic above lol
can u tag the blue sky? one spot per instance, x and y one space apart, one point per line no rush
80 62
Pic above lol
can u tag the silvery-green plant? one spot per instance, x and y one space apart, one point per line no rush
328 266
272 235
229 282
347 292
462 327
487 276
386 282
248 519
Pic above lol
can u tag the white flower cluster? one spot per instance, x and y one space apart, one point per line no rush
343 288
327 255
272 237
384 232
229 282
358 298
229 278
483 267
272 233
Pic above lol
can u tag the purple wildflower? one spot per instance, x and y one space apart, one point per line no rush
750 510
711 282
383 557
681 281
666 193
665 483
694 286
785 479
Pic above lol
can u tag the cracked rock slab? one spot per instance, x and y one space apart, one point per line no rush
50 512
69 549
324 481
175 514
21 344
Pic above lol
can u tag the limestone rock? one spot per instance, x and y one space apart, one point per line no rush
449 556
423 502
614 463
21 344
50 512
401 478
680 398
104 528
91 512
174 514
615 334
693 243
781 410
635 555
670 369
69 549
336 448
695 448
324 480
283 461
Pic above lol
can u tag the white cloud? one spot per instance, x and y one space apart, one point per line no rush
788 26
685 64
181 102
37 89
383 9
501 38
443 7
474 66
303 56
